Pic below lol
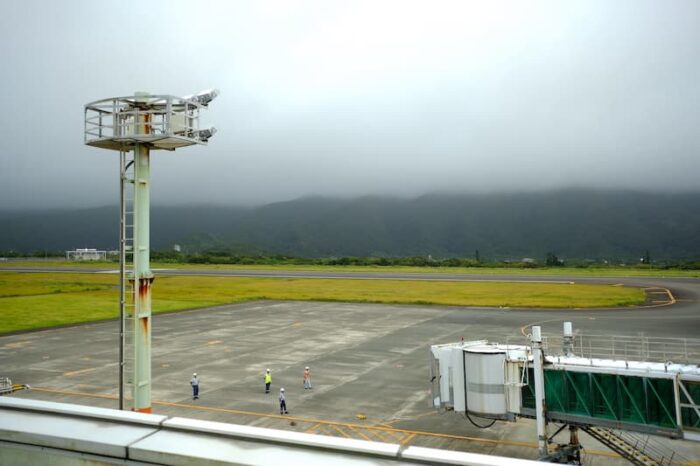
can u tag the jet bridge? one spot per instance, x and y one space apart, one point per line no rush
601 395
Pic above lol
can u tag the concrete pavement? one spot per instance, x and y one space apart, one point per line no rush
369 364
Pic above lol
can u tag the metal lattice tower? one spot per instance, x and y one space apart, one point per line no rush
134 126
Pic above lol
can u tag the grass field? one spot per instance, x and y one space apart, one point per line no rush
37 300
612 271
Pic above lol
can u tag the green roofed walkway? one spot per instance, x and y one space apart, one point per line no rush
655 398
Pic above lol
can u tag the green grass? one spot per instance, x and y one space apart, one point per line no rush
37 300
11 286
612 271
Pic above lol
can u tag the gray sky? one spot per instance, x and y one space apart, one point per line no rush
354 98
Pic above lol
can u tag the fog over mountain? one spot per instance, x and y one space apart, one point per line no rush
389 98
574 224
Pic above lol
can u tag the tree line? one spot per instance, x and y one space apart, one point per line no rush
227 257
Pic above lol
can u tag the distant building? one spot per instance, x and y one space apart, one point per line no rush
86 255
177 248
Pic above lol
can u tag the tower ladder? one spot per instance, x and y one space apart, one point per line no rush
127 289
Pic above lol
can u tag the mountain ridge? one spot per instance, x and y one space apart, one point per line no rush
574 223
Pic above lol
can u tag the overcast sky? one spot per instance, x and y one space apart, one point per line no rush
353 98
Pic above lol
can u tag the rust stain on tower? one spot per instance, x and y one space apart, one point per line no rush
145 287
144 321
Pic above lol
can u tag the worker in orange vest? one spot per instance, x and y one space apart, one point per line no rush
307 378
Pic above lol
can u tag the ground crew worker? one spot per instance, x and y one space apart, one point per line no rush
307 378
283 402
195 386
268 381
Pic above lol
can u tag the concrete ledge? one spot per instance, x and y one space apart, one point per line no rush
29 427
82 411
434 456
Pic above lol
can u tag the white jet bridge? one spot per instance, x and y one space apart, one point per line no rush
597 389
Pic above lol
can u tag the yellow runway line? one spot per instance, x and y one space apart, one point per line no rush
670 295
342 432
313 428
382 436
360 434
68 392
322 430
407 439
672 300
523 329
392 435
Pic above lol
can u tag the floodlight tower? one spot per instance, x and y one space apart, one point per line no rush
134 126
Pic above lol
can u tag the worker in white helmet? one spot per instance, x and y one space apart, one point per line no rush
283 402
195 386
268 380
307 378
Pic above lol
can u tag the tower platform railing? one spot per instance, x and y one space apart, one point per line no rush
161 121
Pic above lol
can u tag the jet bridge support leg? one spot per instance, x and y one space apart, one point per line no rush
538 357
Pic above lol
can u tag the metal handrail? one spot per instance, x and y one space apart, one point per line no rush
649 446
630 348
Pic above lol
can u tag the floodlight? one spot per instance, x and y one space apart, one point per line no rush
204 97
205 134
